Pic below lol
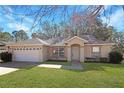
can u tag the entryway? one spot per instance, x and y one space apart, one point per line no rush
75 53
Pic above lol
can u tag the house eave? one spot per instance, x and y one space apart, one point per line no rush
76 37
102 44
26 45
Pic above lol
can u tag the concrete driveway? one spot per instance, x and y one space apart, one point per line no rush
6 70
8 67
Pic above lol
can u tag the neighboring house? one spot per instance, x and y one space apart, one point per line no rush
2 46
73 48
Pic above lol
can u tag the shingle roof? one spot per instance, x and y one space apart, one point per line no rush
2 43
34 41
92 40
59 41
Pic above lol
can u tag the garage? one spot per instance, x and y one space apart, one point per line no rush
32 50
27 54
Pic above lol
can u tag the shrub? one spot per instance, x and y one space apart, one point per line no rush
115 57
6 56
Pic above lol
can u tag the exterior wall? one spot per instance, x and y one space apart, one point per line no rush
44 53
41 54
87 51
82 53
69 53
105 50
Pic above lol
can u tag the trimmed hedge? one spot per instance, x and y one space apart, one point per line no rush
98 60
104 59
115 57
6 56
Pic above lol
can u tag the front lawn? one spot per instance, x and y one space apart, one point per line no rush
93 75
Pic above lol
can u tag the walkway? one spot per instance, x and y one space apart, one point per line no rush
73 66
6 70
50 66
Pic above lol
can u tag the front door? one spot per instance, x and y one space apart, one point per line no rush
75 53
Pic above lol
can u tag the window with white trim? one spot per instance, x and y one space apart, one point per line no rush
96 49
58 52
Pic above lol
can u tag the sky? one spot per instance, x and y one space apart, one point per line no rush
115 17
11 23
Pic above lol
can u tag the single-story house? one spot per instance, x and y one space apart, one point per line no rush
72 48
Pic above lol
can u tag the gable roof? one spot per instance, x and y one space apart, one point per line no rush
78 38
33 41
89 39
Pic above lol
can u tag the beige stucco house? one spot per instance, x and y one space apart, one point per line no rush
72 48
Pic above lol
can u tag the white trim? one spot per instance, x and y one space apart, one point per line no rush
78 38
27 45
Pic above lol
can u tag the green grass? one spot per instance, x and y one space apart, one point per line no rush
93 75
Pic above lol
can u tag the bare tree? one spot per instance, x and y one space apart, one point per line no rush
82 18
51 12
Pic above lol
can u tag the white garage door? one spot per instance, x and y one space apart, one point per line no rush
27 55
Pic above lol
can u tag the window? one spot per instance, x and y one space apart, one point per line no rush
96 49
59 52
55 52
